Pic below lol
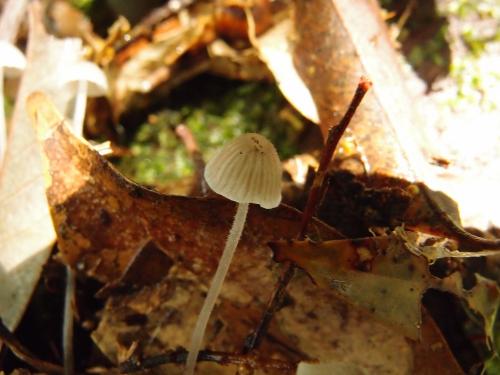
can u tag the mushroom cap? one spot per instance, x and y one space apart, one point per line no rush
246 170
12 59
86 71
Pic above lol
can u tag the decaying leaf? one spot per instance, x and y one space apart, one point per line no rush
376 273
356 204
12 15
153 64
104 220
385 276
431 354
483 298
336 42
26 232
275 49
233 63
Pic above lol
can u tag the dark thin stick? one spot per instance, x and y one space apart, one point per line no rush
24 354
179 356
69 366
187 137
333 139
315 195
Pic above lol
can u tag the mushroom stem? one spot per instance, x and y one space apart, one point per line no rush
215 287
3 127
69 366
80 107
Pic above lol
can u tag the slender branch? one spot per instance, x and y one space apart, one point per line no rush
187 137
24 354
332 141
179 357
316 193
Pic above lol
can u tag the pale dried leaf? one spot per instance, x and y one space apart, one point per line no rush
275 49
381 275
337 41
26 231
392 288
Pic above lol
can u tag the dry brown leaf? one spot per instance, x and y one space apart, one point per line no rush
153 64
375 273
357 204
103 220
336 42
483 298
387 275
26 231
432 355
329 368
276 50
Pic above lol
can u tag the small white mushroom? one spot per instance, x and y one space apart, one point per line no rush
12 63
86 79
246 170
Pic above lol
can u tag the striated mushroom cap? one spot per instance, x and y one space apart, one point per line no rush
13 61
86 71
246 170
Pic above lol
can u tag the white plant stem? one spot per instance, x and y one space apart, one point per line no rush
80 107
68 322
3 126
215 287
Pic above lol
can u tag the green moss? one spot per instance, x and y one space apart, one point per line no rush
467 8
473 83
475 75
83 5
215 111
492 365
430 50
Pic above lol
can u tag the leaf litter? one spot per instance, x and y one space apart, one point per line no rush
97 243
386 276
110 229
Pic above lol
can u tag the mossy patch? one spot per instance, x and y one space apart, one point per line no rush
215 111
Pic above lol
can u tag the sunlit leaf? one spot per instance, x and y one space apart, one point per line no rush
377 273
386 276
26 231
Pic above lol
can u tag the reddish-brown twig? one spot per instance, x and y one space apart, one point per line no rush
316 193
187 137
